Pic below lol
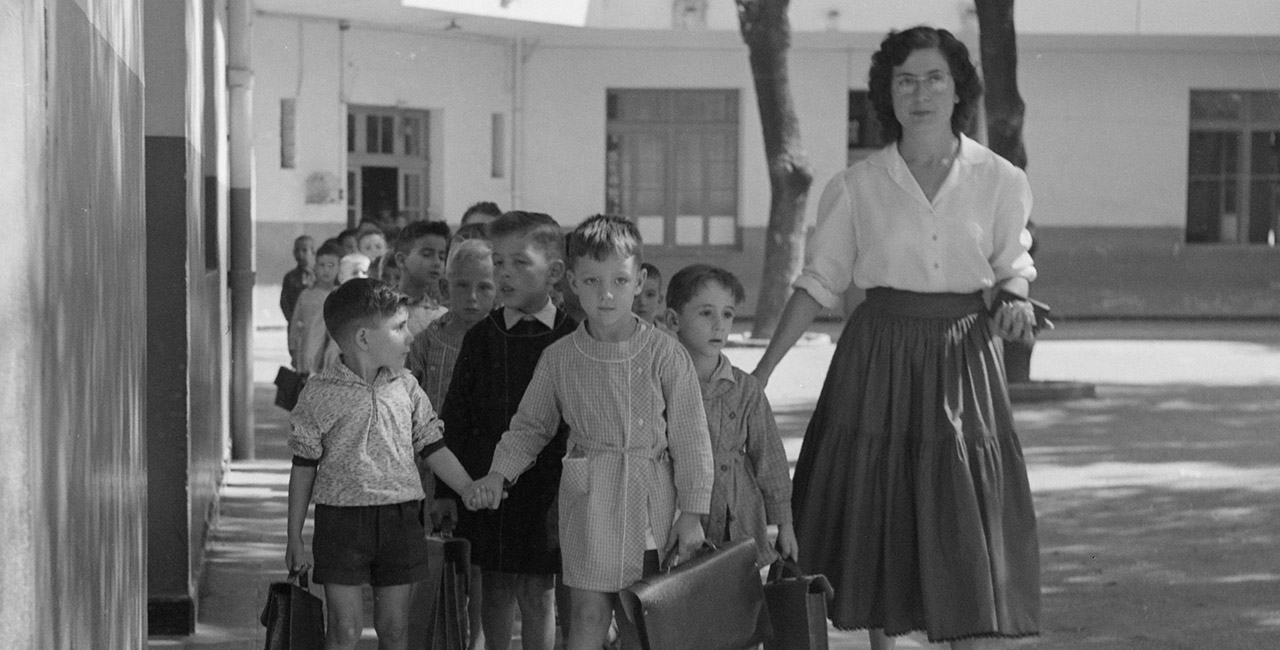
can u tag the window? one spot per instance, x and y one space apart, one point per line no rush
1233 167
671 164
865 135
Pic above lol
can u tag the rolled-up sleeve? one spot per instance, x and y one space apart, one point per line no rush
831 253
1012 240
428 428
306 431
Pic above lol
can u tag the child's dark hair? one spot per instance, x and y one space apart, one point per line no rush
370 233
358 301
603 235
331 247
652 273
483 207
349 232
686 283
474 230
543 230
419 229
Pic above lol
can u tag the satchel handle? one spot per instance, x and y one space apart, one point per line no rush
301 577
788 568
669 562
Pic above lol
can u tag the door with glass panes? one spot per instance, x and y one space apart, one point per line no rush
387 165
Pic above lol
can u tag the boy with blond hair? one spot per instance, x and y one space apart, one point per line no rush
637 476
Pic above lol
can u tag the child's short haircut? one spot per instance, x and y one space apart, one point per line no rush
540 228
419 229
473 230
356 302
603 235
652 273
349 232
689 280
469 250
370 233
331 247
483 207
302 238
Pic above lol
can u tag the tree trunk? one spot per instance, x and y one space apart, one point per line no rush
767 33
998 43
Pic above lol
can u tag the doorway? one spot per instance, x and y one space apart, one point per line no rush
387 165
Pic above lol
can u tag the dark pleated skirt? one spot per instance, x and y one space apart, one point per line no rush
911 491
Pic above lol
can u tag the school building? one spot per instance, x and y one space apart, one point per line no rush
1152 130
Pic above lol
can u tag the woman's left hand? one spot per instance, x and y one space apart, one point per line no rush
1015 321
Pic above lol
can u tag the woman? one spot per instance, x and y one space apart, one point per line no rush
911 491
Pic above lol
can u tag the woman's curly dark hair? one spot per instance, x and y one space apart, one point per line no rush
894 50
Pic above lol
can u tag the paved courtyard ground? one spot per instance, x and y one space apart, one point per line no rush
1158 501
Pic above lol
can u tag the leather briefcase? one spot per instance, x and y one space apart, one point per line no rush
712 602
797 607
293 616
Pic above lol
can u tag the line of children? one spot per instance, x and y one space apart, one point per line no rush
526 394
516 548
308 338
354 457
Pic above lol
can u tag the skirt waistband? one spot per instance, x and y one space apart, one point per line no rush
914 304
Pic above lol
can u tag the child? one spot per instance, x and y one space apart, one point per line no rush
483 212
300 277
353 265
516 548
420 253
372 244
648 303
387 269
356 430
639 455
350 239
753 487
308 339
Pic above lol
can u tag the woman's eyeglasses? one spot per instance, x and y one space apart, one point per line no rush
907 84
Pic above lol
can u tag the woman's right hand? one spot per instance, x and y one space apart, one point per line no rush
296 557
762 372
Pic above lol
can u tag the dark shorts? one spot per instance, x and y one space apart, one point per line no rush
370 545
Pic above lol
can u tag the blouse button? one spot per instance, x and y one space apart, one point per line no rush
935 265
733 415
724 468
935 237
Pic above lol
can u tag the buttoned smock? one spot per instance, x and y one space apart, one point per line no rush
638 448
876 228
362 437
753 477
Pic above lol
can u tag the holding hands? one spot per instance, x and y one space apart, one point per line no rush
485 493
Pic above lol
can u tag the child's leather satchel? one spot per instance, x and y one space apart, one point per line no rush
712 602
798 608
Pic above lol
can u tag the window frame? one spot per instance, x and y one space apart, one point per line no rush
1244 126
670 128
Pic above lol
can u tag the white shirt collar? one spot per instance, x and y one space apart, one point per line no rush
546 315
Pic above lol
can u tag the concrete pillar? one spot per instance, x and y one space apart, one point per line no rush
240 97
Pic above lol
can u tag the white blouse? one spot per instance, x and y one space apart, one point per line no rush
876 228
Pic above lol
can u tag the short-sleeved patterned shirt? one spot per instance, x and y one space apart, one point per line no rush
362 437
638 448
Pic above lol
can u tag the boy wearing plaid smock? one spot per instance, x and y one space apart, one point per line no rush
637 475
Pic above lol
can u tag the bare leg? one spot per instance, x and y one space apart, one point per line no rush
591 611
498 609
346 613
473 610
537 597
879 641
391 616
